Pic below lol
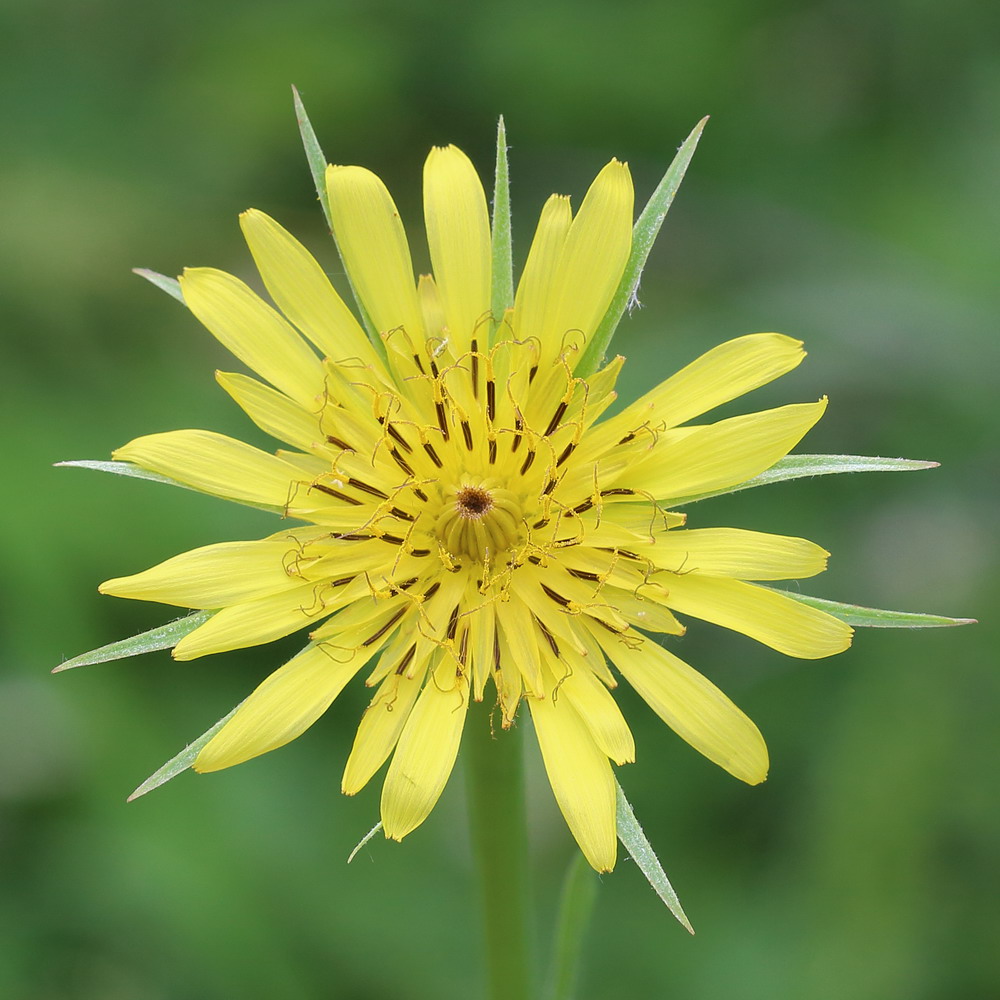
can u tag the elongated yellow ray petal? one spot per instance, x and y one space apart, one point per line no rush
283 707
274 413
458 233
380 726
214 463
265 619
253 331
642 610
598 710
769 617
303 292
373 244
534 290
723 454
431 306
581 779
692 706
745 555
216 575
721 374
519 631
425 754
590 266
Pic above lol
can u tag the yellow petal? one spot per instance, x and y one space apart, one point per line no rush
481 644
598 710
373 244
590 266
253 331
508 680
215 575
303 292
745 555
722 454
266 618
272 411
216 464
425 754
643 610
534 290
282 708
769 617
518 629
458 233
431 306
693 707
723 373
379 729
581 779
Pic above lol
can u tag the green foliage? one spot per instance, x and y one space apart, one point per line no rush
163 637
641 851
503 262
644 233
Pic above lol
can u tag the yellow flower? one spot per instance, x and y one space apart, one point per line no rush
466 517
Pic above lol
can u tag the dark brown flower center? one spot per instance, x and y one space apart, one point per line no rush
473 502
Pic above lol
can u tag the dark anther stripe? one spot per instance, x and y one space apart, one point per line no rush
401 462
365 488
398 438
566 452
548 635
442 419
556 417
432 454
335 494
385 628
406 660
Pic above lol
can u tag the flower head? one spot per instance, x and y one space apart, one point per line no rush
468 526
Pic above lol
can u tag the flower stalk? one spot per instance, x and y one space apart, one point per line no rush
497 824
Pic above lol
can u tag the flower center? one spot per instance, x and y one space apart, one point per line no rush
473 501
479 522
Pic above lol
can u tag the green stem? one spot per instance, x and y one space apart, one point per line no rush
495 782
576 905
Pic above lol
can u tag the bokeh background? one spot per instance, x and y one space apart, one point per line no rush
845 192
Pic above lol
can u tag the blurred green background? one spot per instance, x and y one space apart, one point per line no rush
845 192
